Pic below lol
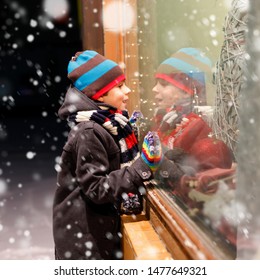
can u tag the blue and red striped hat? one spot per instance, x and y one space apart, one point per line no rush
185 69
93 74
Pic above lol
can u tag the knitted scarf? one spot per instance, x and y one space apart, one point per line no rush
166 120
117 124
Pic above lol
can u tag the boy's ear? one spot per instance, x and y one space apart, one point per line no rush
100 99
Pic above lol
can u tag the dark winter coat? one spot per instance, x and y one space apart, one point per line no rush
86 219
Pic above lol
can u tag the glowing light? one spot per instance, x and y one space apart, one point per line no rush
118 18
57 9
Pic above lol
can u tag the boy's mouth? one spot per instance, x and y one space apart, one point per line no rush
158 100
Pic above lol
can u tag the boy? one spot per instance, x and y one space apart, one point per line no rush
100 162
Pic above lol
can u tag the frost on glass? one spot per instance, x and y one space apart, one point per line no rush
248 191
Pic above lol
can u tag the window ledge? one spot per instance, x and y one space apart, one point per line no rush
183 238
140 240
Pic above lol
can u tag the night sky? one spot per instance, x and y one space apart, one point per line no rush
36 45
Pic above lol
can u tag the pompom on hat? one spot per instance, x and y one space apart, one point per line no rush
93 74
185 69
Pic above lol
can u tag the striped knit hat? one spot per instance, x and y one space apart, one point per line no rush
93 74
185 69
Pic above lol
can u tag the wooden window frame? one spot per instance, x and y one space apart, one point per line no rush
120 46
92 25
181 235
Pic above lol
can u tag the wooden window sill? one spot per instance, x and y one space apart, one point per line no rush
140 240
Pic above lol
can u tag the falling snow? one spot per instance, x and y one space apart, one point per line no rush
3 187
26 188
30 155
32 138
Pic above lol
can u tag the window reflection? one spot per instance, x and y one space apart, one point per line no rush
196 123
197 165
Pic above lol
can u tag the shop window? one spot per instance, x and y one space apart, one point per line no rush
196 213
202 201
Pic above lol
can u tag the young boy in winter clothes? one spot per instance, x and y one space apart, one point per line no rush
100 162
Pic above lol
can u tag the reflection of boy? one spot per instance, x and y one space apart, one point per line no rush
180 86
180 89
199 160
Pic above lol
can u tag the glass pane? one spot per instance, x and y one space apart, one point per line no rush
193 105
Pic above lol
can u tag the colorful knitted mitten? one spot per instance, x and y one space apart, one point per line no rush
152 150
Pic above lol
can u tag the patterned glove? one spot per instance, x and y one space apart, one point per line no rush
132 204
135 121
152 150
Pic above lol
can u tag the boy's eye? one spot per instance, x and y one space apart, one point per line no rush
163 82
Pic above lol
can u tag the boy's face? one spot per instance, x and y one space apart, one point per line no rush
117 96
166 95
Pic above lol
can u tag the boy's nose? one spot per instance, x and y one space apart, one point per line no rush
127 90
155 89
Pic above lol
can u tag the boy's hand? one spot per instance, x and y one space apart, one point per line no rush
132 204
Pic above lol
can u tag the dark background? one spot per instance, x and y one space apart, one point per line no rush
33 81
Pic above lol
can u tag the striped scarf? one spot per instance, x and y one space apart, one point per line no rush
117 124
166 120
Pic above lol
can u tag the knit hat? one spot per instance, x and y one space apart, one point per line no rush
186 70
93 74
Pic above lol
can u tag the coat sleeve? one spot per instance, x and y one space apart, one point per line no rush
98 167
170 172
